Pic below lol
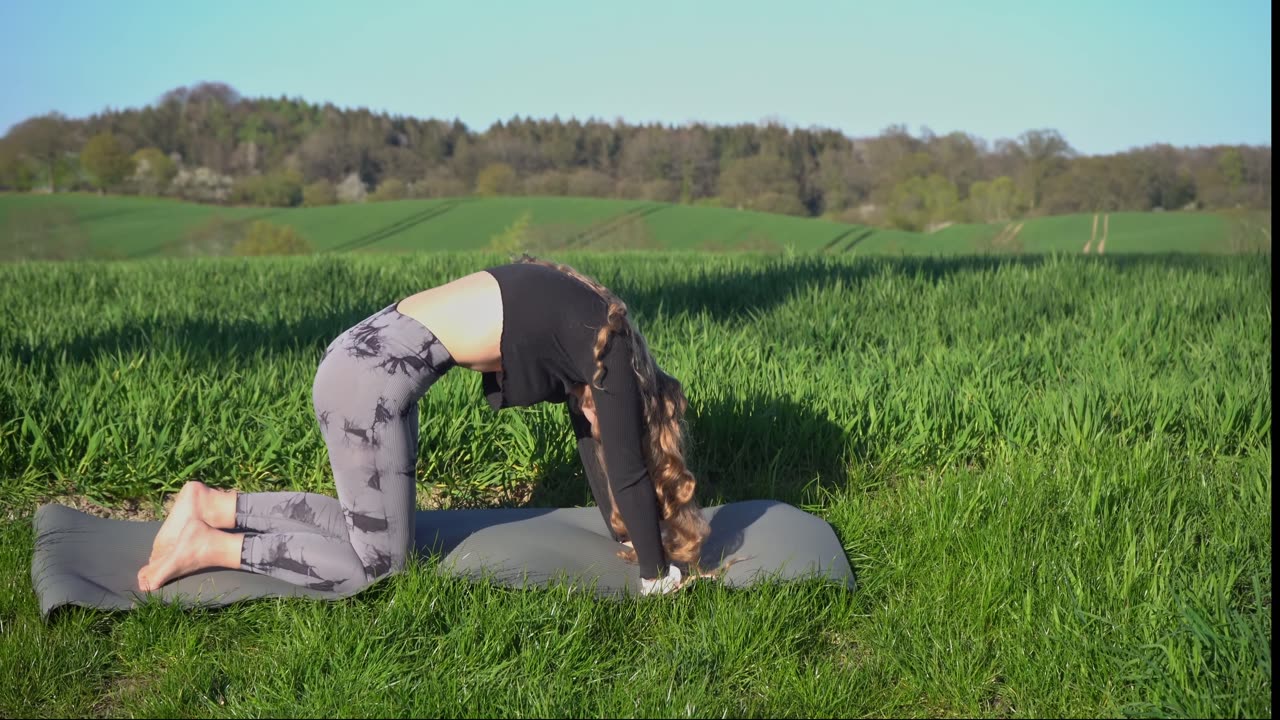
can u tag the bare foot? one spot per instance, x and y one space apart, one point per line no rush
185 507
191 551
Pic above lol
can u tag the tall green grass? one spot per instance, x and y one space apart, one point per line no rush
1051 474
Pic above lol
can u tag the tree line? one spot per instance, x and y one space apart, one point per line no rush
208 143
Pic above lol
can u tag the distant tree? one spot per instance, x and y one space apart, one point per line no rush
747 179
992 201
695 159
218 139
506 144
958 158
919 202
1161 180
324 153
894 156
467 161
438 182
153 170
277 189
105 158
552 183
44 139
496 179
943 198
351 189
1043 153
649 154
202 185
202 93
589 183
660 191
15 170
389 189
1256 191
1231 165
842 178
319 193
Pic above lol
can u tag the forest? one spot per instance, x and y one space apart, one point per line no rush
209 144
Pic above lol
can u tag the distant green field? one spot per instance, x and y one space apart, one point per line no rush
1128 232
132 227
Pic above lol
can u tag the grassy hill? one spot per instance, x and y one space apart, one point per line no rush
133 227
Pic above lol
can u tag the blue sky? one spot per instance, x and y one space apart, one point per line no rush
1107 75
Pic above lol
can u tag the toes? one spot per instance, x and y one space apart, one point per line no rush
153 575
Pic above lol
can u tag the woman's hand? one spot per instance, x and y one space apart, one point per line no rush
662 585
672 582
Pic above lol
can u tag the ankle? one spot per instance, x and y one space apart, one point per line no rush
191 495
219 549
218 508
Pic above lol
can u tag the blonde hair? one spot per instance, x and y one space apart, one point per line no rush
683 526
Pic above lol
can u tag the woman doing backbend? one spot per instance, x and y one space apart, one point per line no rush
538 332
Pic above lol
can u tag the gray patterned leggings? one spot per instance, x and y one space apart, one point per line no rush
366 394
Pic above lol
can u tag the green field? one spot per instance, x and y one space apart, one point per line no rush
1052 475
132 227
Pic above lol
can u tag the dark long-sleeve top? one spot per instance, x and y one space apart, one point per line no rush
549 329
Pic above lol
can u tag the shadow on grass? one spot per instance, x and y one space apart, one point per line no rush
747 449
738 450
739 295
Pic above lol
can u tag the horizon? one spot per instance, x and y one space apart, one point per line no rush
914 131
1007 69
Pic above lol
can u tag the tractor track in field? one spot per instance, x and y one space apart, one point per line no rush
1101 247
393 229
599 230
856 235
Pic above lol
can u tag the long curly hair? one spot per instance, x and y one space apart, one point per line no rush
683 526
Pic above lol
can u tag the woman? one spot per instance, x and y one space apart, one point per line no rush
538 332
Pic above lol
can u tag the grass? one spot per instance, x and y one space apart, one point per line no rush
85 225
1051 475
1127 233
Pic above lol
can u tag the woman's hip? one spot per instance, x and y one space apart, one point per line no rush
388 358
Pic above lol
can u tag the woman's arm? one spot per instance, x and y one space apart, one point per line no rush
591 463
620 417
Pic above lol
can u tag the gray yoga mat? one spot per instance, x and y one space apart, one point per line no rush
85 560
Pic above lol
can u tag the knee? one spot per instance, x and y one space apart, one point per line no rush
339 378
328 379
